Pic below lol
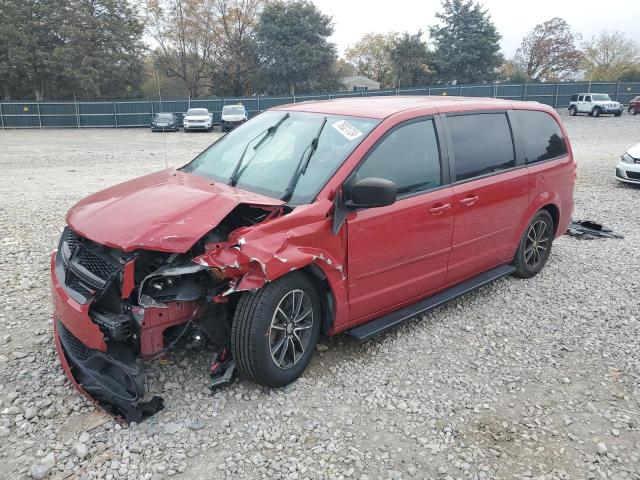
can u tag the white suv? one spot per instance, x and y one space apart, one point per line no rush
595 104
198 119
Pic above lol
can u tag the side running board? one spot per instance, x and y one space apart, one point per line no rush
374 327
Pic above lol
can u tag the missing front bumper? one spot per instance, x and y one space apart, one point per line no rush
115 385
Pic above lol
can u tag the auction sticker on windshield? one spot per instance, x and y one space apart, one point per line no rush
347 130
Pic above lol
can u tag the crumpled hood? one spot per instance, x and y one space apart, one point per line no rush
166 211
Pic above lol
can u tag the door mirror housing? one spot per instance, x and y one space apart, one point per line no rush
372 192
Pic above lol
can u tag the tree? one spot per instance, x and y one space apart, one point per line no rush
294 49
371 57
29 36
102 53
549 51
184 31
235 69
411 60
610 56
55 48
466 43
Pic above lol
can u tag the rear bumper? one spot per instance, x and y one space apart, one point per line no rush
116 385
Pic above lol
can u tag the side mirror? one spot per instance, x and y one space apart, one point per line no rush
372 192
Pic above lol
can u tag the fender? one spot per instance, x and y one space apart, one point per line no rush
542 200
253 256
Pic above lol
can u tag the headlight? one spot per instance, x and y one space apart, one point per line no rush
626 158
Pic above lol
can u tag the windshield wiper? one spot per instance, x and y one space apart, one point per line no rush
303 163
235 175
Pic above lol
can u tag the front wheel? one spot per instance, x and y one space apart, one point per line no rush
573 111
535 246
617 114
596 112
633 111
275 330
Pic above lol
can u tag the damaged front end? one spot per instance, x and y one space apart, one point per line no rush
115 309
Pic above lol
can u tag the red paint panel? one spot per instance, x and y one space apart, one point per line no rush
398 253
487 213
157 320
73 315
128 280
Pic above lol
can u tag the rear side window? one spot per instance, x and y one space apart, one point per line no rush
408 156
542 136
482 144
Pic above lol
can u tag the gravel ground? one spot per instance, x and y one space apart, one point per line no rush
524 378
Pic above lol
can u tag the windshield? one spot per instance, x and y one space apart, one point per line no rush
235 110
600 97
164 116
198 111
272 156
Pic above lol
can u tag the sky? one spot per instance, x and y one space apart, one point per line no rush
513 18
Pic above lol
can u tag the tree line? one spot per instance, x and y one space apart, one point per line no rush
106 49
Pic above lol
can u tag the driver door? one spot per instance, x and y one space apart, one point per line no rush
399 253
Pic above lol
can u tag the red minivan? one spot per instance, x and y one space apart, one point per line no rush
349 215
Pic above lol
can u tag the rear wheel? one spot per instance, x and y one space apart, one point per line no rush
275 330
573 111
535 246
633 111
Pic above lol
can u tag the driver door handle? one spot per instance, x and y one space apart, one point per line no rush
439 208
470 200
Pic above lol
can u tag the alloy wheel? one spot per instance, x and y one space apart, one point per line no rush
537 243
291 328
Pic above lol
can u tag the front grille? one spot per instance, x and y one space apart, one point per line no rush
71 345
634 175
75 283
84 267
94 263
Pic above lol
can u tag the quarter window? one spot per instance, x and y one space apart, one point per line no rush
542 136
482 144
408 156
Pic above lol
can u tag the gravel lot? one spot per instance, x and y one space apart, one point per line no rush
524 378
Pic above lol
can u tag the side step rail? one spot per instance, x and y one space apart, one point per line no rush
374 327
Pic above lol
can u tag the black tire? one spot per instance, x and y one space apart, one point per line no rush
617 114
252 336
633 111
573 111
525 261
596 112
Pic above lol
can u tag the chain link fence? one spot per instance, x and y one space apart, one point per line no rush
138 113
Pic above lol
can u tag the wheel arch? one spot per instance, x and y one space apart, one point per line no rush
543 202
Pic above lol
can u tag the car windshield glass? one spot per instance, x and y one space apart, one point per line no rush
197 111
271 156
164 116
233 110
600 97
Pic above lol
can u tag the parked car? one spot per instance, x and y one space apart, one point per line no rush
350 215
197 119
232 116
634 106
628 168
164 122
595 104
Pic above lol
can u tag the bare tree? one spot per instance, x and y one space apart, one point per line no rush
610 55
549 51
184 33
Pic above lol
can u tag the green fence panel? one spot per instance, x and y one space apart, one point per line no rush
138 113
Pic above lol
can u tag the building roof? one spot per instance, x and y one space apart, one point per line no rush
359 79
384 106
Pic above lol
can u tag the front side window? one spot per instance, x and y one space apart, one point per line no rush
542 136
482 144
271 147
408 156
581 98
587 98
